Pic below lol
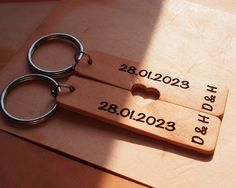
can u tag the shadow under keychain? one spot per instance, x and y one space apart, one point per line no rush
186 114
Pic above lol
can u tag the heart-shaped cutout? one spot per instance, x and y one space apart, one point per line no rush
148 94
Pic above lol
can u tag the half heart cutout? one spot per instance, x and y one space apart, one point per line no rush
144 92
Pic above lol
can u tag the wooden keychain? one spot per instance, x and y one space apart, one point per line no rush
106 94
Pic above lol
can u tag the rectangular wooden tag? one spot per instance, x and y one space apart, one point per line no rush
157 119
188 92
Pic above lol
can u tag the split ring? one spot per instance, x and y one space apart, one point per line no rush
29 121
56 36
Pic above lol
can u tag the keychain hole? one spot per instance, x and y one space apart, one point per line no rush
144 92
64 88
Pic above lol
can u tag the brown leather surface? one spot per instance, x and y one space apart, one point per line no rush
18 21
139 158
227 6
24 164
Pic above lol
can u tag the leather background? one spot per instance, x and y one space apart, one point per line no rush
118 150
24 164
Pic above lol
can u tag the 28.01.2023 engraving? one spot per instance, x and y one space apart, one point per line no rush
175 82
138 117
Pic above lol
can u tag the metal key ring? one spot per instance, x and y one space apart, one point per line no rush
56 36
25 78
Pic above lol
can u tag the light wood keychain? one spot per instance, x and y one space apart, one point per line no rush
105 93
